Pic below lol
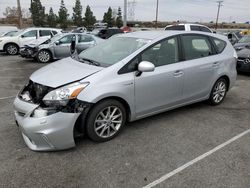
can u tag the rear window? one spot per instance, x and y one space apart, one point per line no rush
219 44
176 27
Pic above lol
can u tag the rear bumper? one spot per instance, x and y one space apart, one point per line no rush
52 132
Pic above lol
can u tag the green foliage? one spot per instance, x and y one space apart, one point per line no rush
63 16
51 18
37 13
118 21
77 13
107 18
89 18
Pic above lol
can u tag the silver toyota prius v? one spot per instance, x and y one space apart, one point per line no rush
123 79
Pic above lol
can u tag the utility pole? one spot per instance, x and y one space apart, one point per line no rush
19 10
218 13
156 14
125 13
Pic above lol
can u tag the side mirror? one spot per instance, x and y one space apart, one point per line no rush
22 36
57 42
146 66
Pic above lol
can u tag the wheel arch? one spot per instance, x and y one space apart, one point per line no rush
5 45
80 123
227 80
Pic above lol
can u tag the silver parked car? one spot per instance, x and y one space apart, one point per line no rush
58 47
123 79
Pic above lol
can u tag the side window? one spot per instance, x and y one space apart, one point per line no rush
130 67
195 28
176 27
220 44
84 38
32 33
164 53
54 32
196 46
66 40
204 29
43 33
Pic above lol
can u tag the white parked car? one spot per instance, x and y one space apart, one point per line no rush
189 27
12 44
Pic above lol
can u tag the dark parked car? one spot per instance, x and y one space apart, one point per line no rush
243 52
58 47
108 32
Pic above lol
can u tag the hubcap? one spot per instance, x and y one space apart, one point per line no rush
219 92
12 50
108 122
44 56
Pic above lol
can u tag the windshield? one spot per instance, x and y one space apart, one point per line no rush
113 50
19 32
245 39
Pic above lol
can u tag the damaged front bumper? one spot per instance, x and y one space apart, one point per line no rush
49 131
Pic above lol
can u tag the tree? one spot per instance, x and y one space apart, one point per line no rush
89 18
118 21
77 13
107 18
51 18
63 16
37 13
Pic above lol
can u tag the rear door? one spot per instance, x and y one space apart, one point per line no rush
200 66
44 34
63 48
162 88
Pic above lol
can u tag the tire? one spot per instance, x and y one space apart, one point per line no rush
11 49
218 92
44 56
102 127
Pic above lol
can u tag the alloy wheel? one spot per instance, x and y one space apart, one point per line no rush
12 50
44 56
108 122
219 92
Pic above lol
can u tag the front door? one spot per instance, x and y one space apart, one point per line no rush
162 88
63 48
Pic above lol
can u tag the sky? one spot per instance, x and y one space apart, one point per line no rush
169 10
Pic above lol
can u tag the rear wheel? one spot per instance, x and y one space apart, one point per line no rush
44 56
105 120
11 49
218 92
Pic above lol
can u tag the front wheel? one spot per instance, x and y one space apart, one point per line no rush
105 120
44 56
218 92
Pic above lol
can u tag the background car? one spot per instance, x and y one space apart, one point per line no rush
243 52
11 45
189 27
5 29
58 47
107 33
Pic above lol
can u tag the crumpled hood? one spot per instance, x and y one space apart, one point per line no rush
36 42
63 72
244 53
241 45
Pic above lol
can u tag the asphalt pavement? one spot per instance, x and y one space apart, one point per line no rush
144 152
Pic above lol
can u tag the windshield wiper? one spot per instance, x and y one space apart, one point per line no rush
91 62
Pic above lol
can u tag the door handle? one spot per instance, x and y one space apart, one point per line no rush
216 64
178 73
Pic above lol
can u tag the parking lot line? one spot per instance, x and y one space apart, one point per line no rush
181 168
10 97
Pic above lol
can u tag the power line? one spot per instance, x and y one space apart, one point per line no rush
218 13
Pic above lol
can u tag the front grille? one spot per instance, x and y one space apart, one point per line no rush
34 92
